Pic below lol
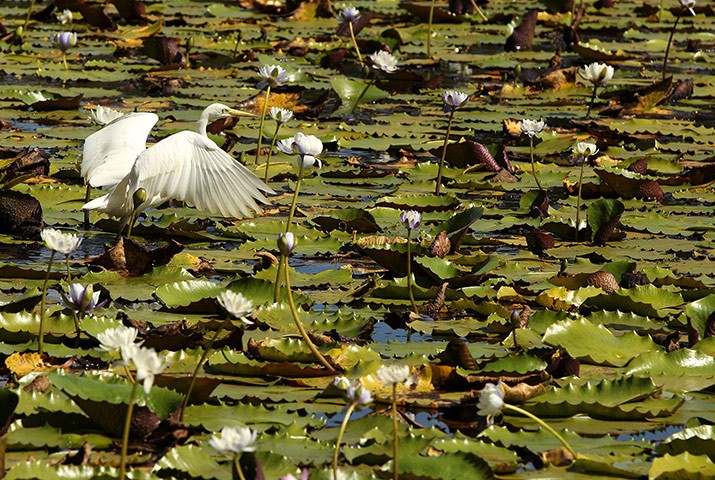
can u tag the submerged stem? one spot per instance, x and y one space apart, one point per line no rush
444 153
42 303
340 439
260 127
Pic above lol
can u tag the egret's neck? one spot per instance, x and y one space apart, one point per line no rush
202 123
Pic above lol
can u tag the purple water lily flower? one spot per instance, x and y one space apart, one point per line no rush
453 99
83 299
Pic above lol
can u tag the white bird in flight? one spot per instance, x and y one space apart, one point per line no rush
186 166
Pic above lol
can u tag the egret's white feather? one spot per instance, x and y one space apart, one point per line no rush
186 166
110 152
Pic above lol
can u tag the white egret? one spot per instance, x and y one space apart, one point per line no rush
186 166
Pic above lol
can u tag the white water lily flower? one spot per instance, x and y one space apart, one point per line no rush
532 127
307 146
234 440
236 304
393 374
491 400
597 73
147 363
65 16
115 339
341 382
385 61
104 115
280 115
273 75
688 4
585 148
60 242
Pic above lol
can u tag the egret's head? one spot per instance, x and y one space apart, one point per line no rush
219 110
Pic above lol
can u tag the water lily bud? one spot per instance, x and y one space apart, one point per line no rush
139 197
286 243
411 219
491 400
64 40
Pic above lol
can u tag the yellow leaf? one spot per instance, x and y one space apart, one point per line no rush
20 364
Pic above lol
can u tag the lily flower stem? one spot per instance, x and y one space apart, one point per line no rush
340 439
543 424
129 374
260 127
667 49
29 12
69 273
444 153
125 436
429 30
578 198
394 432
318 356
201 361
237 466
131 224
593 99
64 60
76 319
480 13
87 197
368 83
357 50
283 264
42 303
409 271
270 152
533 166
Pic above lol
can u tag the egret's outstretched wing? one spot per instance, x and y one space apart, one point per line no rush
109 153
191 167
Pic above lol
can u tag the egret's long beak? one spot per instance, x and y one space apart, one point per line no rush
240 113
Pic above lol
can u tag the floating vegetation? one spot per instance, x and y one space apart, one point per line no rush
495 255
